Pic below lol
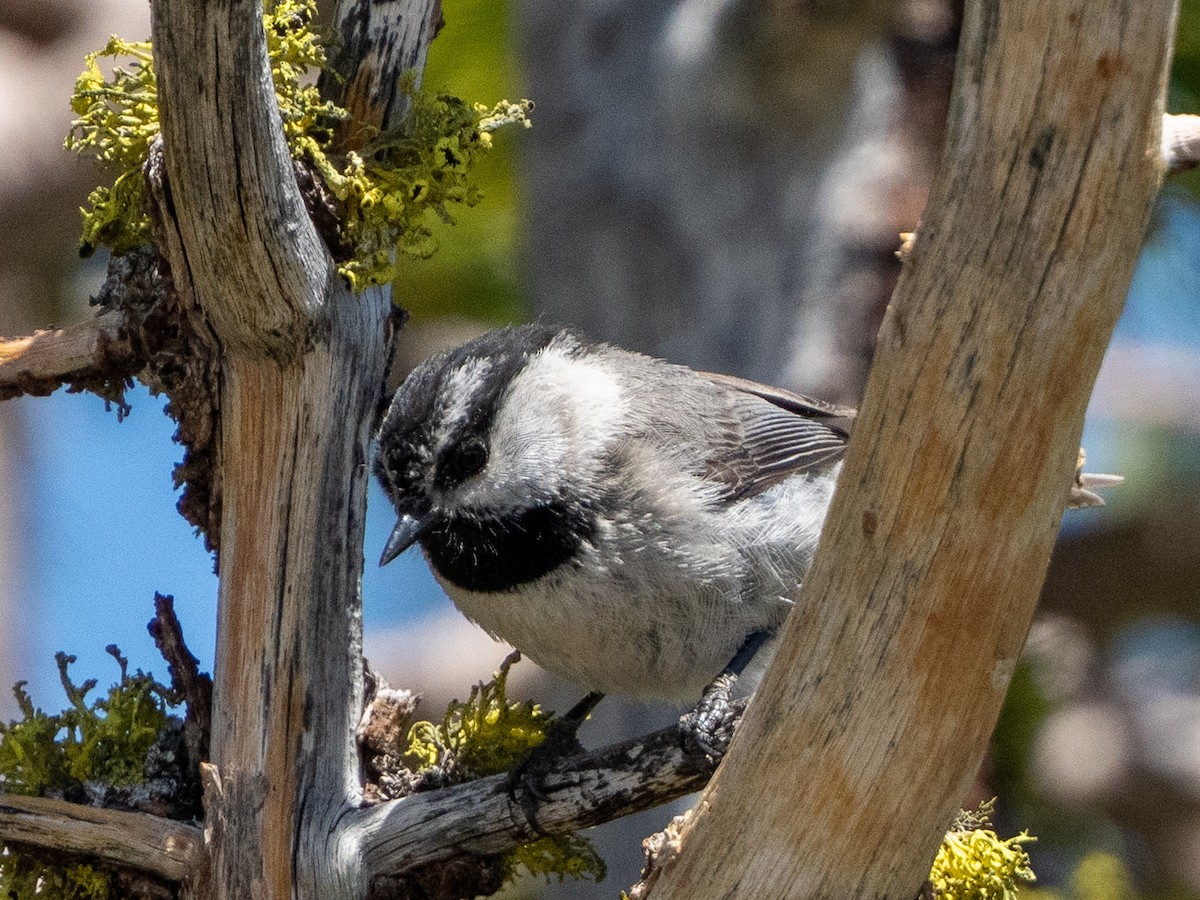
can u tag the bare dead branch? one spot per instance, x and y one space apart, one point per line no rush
138 841
263 282
141 329
301 370
187 681
43 362
480 818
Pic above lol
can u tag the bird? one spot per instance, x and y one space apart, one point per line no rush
634 526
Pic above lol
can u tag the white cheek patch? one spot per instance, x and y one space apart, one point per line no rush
559 415
570 401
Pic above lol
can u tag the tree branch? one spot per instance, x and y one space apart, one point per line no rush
380 42
876 712
188 683
302 369
133 840
255 261
480 818
43 362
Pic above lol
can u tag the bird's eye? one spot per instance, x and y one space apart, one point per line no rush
462 461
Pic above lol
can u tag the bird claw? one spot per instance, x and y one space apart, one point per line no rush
526 786
705 731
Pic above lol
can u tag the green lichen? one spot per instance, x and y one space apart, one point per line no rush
557 857
388 193
484 735
101 741
391 192
488 734
116 120
974 863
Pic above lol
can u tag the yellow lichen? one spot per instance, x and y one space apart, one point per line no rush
102 741
488 734
387 193
116 120
974 863
559 856
484 735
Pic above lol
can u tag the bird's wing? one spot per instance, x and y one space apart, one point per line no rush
769 434
800 404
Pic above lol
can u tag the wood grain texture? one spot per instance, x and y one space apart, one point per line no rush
143 842
301 370
875 715
377 38
258 267
480 817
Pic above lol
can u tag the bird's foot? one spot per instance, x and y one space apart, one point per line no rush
705 732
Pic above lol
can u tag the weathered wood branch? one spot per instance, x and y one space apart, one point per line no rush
302 364
44 361
481 818
256 263
398 836
872 721
138 841
379 42
101 354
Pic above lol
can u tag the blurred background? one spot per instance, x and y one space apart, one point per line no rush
720 182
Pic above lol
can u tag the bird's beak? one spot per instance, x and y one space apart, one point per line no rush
406 533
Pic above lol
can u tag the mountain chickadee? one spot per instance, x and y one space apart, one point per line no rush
630 525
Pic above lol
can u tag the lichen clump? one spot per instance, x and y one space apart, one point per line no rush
488 734
974 863
117 119
387 191
484 735
91 745
104 740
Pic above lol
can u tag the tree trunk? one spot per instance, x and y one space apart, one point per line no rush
302 364
876 712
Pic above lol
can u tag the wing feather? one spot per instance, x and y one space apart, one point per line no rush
769 434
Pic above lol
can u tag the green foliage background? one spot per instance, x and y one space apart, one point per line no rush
475 270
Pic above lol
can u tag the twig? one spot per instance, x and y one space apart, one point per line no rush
187 681
127 336
139 841
41 363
